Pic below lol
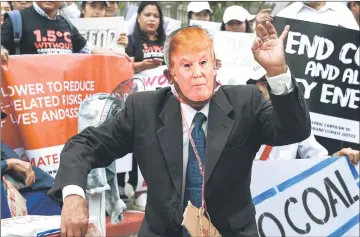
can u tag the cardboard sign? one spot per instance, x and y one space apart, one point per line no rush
43 99
325 59
197 224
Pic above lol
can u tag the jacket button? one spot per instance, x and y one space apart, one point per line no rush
176 203
176 230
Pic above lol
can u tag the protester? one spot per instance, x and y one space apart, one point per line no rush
93 9
155 127
146 46
306 149
42 18
20 5
235 19
200 11
15 164
112 9
329 13
32 182
5 7
354 7
147 40
98 9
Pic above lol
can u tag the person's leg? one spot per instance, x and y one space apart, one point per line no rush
121 184
133 174
141 196
121 179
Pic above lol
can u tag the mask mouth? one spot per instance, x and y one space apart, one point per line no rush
183 99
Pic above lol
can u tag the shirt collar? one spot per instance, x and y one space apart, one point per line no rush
43 13
327 6
189 112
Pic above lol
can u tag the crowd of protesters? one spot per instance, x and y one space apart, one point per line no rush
146 43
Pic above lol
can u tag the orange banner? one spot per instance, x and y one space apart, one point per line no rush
42 93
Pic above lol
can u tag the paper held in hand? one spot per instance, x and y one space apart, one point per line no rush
197 224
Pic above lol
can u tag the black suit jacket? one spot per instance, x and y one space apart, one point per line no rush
150 126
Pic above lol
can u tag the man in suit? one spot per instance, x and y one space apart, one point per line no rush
229 125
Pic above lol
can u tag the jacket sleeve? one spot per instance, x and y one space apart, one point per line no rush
285 120
95 148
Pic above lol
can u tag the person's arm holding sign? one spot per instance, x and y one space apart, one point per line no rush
354 155
82 46
277 120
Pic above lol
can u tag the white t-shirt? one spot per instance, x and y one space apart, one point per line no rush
333 13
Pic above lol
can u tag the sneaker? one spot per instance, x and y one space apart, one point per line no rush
140 202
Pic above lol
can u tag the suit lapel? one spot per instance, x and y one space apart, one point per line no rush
219 129
171 140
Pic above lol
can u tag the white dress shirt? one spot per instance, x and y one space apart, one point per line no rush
333 13
281 84
309 148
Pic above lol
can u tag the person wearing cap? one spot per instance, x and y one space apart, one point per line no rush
112 9
310 148
200 11
171 130
93 9
236 19
39 21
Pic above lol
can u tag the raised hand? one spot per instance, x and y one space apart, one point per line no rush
263 16
268 49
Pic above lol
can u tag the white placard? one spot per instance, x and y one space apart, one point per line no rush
313 197
237 61
153 78
211 26
101 31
